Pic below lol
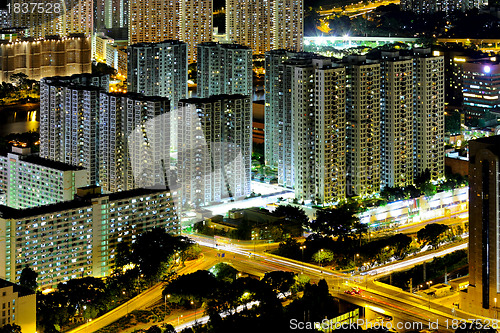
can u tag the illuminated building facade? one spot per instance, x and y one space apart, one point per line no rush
53 17
110 14
483 291
81 124
52 56
429 113
305 119
363 126
266 25
116 57
18 306
397 119
156 21
214 156
330 135
69 118
394 109
448 6
158 69
78 238
153 21
196 24
273 103
29 180
481 89
99 51
224 69
284 120
134 134
5 18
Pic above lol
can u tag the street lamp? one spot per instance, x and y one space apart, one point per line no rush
213 231
496 311
302 248
357 255
165 308
254 240
194 312
429 294
126 302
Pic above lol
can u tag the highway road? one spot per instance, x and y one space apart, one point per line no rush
147 298
357 8
258 263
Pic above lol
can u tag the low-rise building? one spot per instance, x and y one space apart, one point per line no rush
18 306
116 56
78 238
51 56
29 180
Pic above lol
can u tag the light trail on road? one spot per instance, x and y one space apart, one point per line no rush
281 262
410 262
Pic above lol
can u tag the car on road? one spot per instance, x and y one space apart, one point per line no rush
353 291
356 290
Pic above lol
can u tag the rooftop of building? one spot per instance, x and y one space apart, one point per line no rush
79 202
211 99
491 140
150 44
21 291
32 39
491 143
137 96
71 79
35 159
234 46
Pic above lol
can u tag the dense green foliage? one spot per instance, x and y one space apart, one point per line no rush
155 255
269 315
28 278
22 90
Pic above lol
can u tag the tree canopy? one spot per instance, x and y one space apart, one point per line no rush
28 279
154 252
10 328
338 222
431 234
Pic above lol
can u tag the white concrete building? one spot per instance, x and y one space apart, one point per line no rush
224 69
77 238
273 103
29 180
329 127
105 133
363 126
18 306
158 69
318 127
397 120
69 124
429 109
214 155
305 119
